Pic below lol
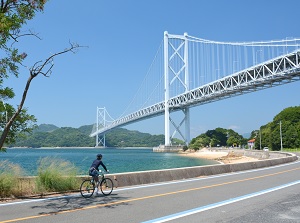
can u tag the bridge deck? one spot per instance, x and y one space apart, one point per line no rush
278 71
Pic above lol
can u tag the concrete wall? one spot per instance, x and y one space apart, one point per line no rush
168 149
146 177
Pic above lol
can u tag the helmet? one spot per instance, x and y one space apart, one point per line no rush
99 155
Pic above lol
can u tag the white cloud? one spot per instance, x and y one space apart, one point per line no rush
234 127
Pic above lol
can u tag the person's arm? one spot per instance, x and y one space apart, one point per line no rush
104 167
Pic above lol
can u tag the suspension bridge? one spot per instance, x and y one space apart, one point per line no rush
188 71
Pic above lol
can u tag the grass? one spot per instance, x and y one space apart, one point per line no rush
9 174
54 175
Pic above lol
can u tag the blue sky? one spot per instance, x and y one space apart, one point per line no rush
122 38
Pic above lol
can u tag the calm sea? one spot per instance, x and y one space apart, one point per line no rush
117 160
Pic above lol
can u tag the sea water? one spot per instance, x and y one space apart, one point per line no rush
117 160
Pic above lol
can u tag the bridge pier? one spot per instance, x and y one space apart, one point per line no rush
168 149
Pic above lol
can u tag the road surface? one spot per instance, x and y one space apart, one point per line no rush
260 195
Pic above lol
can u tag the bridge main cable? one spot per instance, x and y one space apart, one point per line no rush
272 72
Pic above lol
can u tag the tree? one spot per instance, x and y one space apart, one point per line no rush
217 137
290 123
199 142
13 15
290 128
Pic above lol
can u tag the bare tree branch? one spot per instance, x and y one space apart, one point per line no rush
37 68
15 36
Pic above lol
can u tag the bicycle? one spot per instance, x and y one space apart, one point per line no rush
88 186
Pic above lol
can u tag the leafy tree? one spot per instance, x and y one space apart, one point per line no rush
234 139
13 15
217 137
290 123
290 129
253 134
199 142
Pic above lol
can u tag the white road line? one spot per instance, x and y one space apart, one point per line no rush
219 204
152 185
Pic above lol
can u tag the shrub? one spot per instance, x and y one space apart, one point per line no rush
9 174
56 175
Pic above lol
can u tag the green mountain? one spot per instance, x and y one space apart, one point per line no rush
47 135
52 136
46 128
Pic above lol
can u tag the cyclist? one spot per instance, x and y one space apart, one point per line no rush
94 169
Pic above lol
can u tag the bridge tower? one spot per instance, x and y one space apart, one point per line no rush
176 70
101 122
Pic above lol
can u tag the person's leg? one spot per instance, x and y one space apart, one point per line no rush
96 182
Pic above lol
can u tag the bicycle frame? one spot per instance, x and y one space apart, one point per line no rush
88 187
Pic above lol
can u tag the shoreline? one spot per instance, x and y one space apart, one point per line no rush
220 156
79 147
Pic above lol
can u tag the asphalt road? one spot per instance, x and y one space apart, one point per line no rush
261 195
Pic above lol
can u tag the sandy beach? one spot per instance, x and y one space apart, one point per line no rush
221 156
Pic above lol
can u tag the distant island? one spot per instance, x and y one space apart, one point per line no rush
48 135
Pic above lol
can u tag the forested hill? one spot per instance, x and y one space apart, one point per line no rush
283 130
287 122
52 136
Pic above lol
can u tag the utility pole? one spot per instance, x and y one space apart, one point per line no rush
260 138
280 136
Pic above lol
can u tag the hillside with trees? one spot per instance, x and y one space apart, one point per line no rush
287 122
218 138
52 136
269 135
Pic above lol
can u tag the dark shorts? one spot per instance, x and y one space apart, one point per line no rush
93 172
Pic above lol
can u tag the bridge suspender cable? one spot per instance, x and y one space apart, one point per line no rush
198 71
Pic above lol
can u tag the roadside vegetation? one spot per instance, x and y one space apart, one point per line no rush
9 175
284 127
56 175
53 176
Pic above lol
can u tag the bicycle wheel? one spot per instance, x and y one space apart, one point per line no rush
87 188
106 186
